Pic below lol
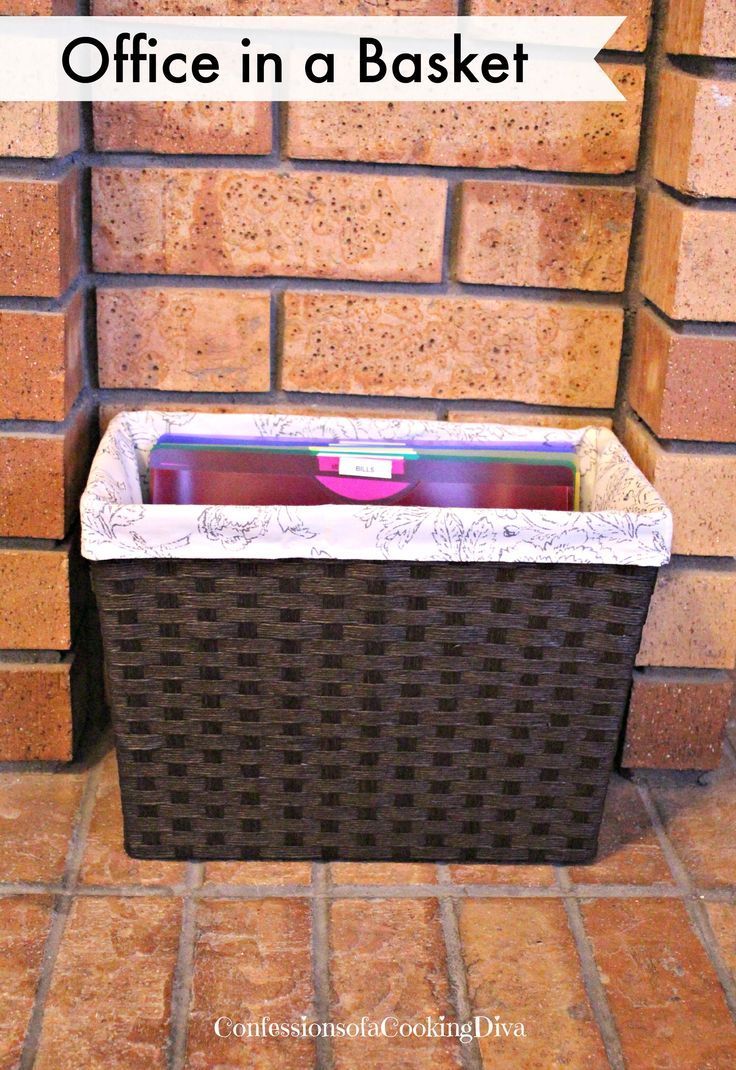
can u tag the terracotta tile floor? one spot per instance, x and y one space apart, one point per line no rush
110 963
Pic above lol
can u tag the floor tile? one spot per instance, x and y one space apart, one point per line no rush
521 876
700 820
387 958
382 873
522 965
37 814
105 861
249 873
24 926
722 917
628 849
109 1004
669 1006
252 958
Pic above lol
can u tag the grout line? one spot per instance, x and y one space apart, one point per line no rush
470 1054
62 908
321 959
725 894
181 992
676 867
696 912
591 977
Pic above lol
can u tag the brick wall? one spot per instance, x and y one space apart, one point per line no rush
457 261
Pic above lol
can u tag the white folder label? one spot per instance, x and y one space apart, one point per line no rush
374 467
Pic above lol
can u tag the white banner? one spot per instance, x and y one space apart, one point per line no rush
450 58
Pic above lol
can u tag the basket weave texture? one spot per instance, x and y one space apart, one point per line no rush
365 710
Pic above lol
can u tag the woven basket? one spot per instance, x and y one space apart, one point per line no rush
367 710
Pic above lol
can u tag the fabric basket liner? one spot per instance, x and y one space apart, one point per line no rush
623 520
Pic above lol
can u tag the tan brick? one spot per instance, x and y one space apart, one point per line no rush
701 27
700 816
404 412
24 923
105 860
272 874
184 339
40 362
677 720
233 222
652 966
383 873
534 234
35 607
630 37
691 617
261 951
390 954
274 7
41 479
580 137
38 129
36 711
183 127
503 943
698 486
561 354
530 419
689 261
111 989
37 817
39 240
683 385
695 140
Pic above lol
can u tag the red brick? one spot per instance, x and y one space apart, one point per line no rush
701 27
561 354
695 140
38 129
184 339
683 385
39 718
38 7
39 240
183 127
677 720
689 262
534 234
630 37
35 607
699 486
691 617
581 137
42 477
40 363
274 7
233 222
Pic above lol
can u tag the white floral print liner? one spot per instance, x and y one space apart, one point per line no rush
622 521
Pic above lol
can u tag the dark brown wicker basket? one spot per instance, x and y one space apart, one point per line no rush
315 709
